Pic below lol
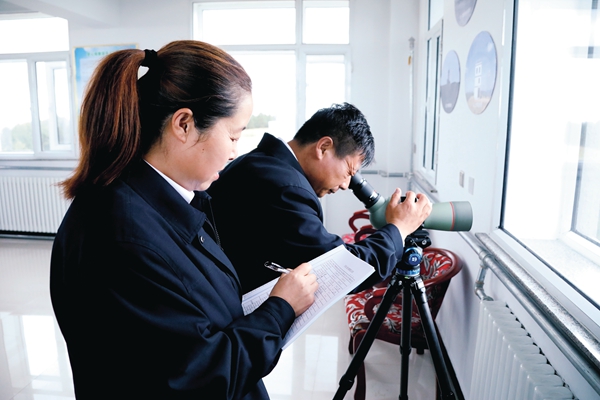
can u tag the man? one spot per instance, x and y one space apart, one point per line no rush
267 204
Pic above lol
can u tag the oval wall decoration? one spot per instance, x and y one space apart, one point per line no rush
463 9
480 72
450 81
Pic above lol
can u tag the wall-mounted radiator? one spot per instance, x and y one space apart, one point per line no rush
508 364
31 204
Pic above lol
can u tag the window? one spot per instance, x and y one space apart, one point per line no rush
35 100
303 68
253 21
274 93
325 79
53 105
552 187
436 12
427 142
326 22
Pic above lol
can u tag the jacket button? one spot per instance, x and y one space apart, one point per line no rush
201 239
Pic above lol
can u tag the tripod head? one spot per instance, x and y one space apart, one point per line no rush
413 252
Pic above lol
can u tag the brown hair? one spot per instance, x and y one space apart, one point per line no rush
123 117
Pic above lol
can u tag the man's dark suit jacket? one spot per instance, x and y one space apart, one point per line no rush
267 211
148 303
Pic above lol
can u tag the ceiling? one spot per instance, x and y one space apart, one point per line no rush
10 8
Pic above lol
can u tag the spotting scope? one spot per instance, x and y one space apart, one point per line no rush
449 216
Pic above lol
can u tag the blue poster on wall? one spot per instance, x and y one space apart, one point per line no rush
450 81
86 59
480 72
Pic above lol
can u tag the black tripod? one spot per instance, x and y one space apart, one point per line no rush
408 279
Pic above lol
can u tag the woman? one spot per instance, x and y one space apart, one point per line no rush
148 303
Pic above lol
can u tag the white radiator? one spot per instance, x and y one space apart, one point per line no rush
31 204
508 364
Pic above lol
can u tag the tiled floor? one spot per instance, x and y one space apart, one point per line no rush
34 364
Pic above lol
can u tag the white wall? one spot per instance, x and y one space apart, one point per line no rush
148 23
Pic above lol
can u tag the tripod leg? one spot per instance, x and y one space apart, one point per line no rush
347 379
441 370
405 347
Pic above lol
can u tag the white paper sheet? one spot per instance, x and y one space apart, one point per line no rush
338 272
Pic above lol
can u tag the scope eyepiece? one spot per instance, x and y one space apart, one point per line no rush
363 191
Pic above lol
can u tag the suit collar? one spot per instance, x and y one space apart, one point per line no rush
157 192
274 147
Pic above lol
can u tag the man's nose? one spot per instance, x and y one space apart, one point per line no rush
345 184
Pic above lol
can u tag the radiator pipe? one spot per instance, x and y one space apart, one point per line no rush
574 340
482 253
479 291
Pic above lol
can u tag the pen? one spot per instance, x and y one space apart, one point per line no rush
276 267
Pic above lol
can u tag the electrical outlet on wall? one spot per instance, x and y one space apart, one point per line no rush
471 185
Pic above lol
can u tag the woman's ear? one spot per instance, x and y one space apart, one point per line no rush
182 123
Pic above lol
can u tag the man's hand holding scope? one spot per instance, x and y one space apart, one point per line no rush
407 215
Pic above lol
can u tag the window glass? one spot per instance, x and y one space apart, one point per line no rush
325 82
326 22
430 140
242 24
587 205
436 12
31 35
552 196
54 106
274 94
15 108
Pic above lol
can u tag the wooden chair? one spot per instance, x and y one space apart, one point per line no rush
358 231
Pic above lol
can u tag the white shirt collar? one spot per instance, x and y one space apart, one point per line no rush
186 194
289 148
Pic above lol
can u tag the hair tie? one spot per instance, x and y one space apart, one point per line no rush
150 58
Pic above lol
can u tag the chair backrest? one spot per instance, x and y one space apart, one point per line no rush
438 265
360 214
359 232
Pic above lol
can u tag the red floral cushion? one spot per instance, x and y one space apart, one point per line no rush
348 238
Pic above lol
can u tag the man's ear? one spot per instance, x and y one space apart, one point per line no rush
182 123
323 145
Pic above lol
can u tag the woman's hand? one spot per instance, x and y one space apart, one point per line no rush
297 288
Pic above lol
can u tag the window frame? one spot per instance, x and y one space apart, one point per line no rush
38 152
300 49
571 246
426 151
